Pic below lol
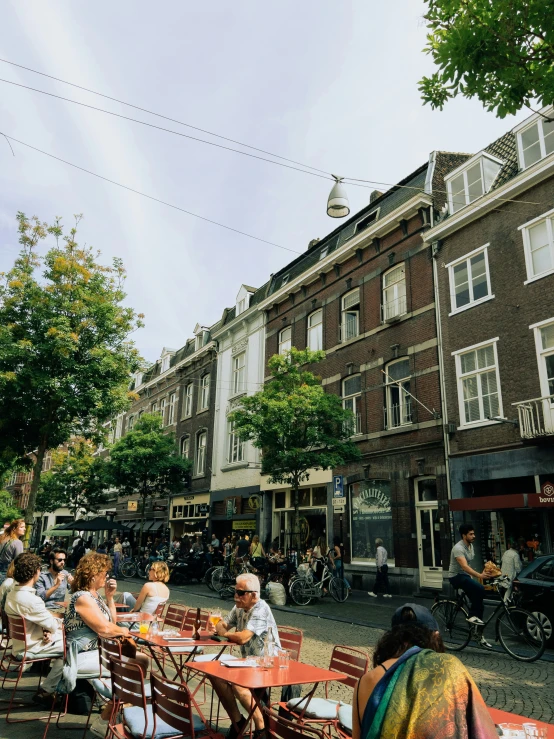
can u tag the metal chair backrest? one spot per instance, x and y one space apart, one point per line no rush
107 650
160 609
190 618
281 728
175 616
172 703
291 639
17 628
351 661
128 685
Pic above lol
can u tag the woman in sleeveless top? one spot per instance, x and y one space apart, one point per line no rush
414 689
11 545
154 592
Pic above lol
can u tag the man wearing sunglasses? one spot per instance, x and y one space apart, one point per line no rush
251 619
52 584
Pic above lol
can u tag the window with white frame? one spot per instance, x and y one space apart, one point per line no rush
478 383
201 443
163 406
171 409
118 427
185 447
538 243
239 373
350 315
235 449
469 278
131 422
394 292
544 339
315 330
241 306
165 363
204 397
187 401
465 187
323 253
535 142
398 409
352 401
285 340
154 408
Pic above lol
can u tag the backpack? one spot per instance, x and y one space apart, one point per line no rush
81 698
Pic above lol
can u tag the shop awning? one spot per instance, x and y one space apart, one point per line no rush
496 502
156 525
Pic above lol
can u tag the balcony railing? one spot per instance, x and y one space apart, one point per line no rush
536 417
392 310
398 415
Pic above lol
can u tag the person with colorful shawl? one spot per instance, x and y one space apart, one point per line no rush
415 691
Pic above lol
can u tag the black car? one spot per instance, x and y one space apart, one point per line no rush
534 591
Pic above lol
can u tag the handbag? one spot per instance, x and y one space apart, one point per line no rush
128 647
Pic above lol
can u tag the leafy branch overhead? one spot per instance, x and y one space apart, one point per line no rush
296 424
500 52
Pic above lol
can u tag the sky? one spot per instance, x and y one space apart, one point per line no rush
331 85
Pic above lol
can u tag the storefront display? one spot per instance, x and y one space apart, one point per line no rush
371 511
312 504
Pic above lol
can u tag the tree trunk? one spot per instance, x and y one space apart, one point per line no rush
37 471
296 538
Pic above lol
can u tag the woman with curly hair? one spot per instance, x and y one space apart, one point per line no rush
11 545
87 618
414 689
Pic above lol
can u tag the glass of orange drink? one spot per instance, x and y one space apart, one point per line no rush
215 617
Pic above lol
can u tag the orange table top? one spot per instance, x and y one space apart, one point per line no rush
503 717
254 678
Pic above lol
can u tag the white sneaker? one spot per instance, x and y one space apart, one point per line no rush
373 595
476 621
99 727
484 643
387 595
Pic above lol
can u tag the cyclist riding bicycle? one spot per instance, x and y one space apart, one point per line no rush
460 576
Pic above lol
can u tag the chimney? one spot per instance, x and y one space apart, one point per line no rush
374 195
313 243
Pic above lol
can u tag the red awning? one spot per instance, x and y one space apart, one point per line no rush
495 502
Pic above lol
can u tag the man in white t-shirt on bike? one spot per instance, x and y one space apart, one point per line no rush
460 575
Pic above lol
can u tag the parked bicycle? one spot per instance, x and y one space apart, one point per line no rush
133 567
518 631
304 587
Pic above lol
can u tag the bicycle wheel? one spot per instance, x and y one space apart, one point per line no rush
128 569
301 593
222 579
520 634
207 579
453 626
338 589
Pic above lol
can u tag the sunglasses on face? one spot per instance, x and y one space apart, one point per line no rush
243 592
58 559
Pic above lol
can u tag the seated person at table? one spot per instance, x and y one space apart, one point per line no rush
154 592
52 584
88 617
43 629
415 690
252 619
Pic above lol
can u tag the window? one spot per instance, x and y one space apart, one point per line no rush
185 447
350 315
538 243
187 401
138 379
204 397
465 187
544 341
163 405
535 142
352 400
140 415
367 221
118 427
315 331
323 253
165 363
478 383
285 340
469 280
131 422
398 408
235 445
241 306
239 373
201 441
394 293
371 511
171 410
285 280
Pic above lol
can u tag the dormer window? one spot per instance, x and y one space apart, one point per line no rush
201 337
536 141
138 379
165 363
241 306
323 253
285 280
367 221
473 179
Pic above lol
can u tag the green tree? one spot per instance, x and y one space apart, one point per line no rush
77 480
8 510
501 52
296 424
146 461
65 353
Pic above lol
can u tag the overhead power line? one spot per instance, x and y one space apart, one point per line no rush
150 197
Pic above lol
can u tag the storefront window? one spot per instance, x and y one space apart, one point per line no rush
281 499
319 496
370 505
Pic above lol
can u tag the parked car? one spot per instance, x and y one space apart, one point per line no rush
534 591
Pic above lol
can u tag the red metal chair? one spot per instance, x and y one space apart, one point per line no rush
190 619
291 639
281 728
175 616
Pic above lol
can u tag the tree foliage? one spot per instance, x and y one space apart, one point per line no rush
501 52
65 353
296 424
77 480
8 510
146 461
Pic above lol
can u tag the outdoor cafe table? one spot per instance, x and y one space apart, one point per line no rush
176 641
258 680
503 717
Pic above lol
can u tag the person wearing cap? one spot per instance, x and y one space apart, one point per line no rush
415 689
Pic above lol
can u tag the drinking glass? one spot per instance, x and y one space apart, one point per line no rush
143 627
215 616
283 658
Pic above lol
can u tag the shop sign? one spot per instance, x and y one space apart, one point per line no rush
339 502
188 498
338 486
158 507
229 507
547 491
339 509
132 505
244 525
204 508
